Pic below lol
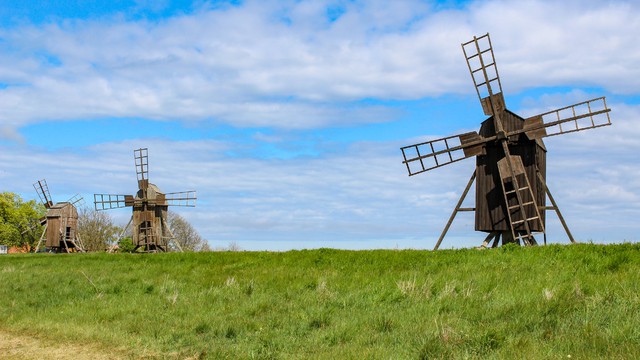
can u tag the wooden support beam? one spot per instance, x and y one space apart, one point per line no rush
172 237
556 208
492 235
455 211
113 247
44 232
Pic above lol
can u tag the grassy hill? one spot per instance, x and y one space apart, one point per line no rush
577 302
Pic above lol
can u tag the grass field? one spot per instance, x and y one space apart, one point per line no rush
553 302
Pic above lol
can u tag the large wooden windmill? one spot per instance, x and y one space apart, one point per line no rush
150 231
60 223
510 155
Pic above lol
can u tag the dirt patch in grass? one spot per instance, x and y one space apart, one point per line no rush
14 346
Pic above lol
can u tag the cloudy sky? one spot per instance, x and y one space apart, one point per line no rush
287 116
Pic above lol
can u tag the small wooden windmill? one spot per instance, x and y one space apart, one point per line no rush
510 156
150 231
60 223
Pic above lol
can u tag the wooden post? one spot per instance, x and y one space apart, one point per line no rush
113 247
455 211
557 209
492 236
173 237
78 243
496 240
44 232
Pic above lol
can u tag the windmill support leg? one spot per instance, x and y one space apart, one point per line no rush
557 209
491 236
455 211
44 232
113 247
78 243
496 240
64 241
173 237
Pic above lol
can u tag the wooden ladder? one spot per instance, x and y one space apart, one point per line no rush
74 238
146 230
518 197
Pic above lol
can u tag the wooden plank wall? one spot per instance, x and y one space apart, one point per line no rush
490 208
154 213
56 217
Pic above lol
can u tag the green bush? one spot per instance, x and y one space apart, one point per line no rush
125 245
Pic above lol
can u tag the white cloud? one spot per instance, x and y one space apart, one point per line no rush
284 64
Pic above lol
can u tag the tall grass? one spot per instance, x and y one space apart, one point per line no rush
578 301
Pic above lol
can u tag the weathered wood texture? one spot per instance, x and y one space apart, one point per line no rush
491 212
147 218
62 222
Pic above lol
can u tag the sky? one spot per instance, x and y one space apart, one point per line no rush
287 117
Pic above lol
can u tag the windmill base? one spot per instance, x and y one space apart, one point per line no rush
150 248
507 238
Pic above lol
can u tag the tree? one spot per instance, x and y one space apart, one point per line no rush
185 234
96 229
20 220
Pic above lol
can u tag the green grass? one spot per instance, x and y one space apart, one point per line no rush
537 303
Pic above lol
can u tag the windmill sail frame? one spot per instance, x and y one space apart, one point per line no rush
510 173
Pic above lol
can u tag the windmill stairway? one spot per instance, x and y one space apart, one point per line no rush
519 200
70 236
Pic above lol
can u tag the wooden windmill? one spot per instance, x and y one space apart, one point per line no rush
510 155
150 231
60 223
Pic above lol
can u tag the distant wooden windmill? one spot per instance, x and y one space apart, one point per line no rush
60 223
510 156
150 231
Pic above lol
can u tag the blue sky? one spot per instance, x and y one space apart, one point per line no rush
287 116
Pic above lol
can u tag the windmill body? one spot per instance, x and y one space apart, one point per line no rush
61 222
148 218
510 172
490 214
150 206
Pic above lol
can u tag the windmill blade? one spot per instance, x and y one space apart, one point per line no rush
586 115
440 152
141 157
484 73
111 201
183 198
76 200
43 193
